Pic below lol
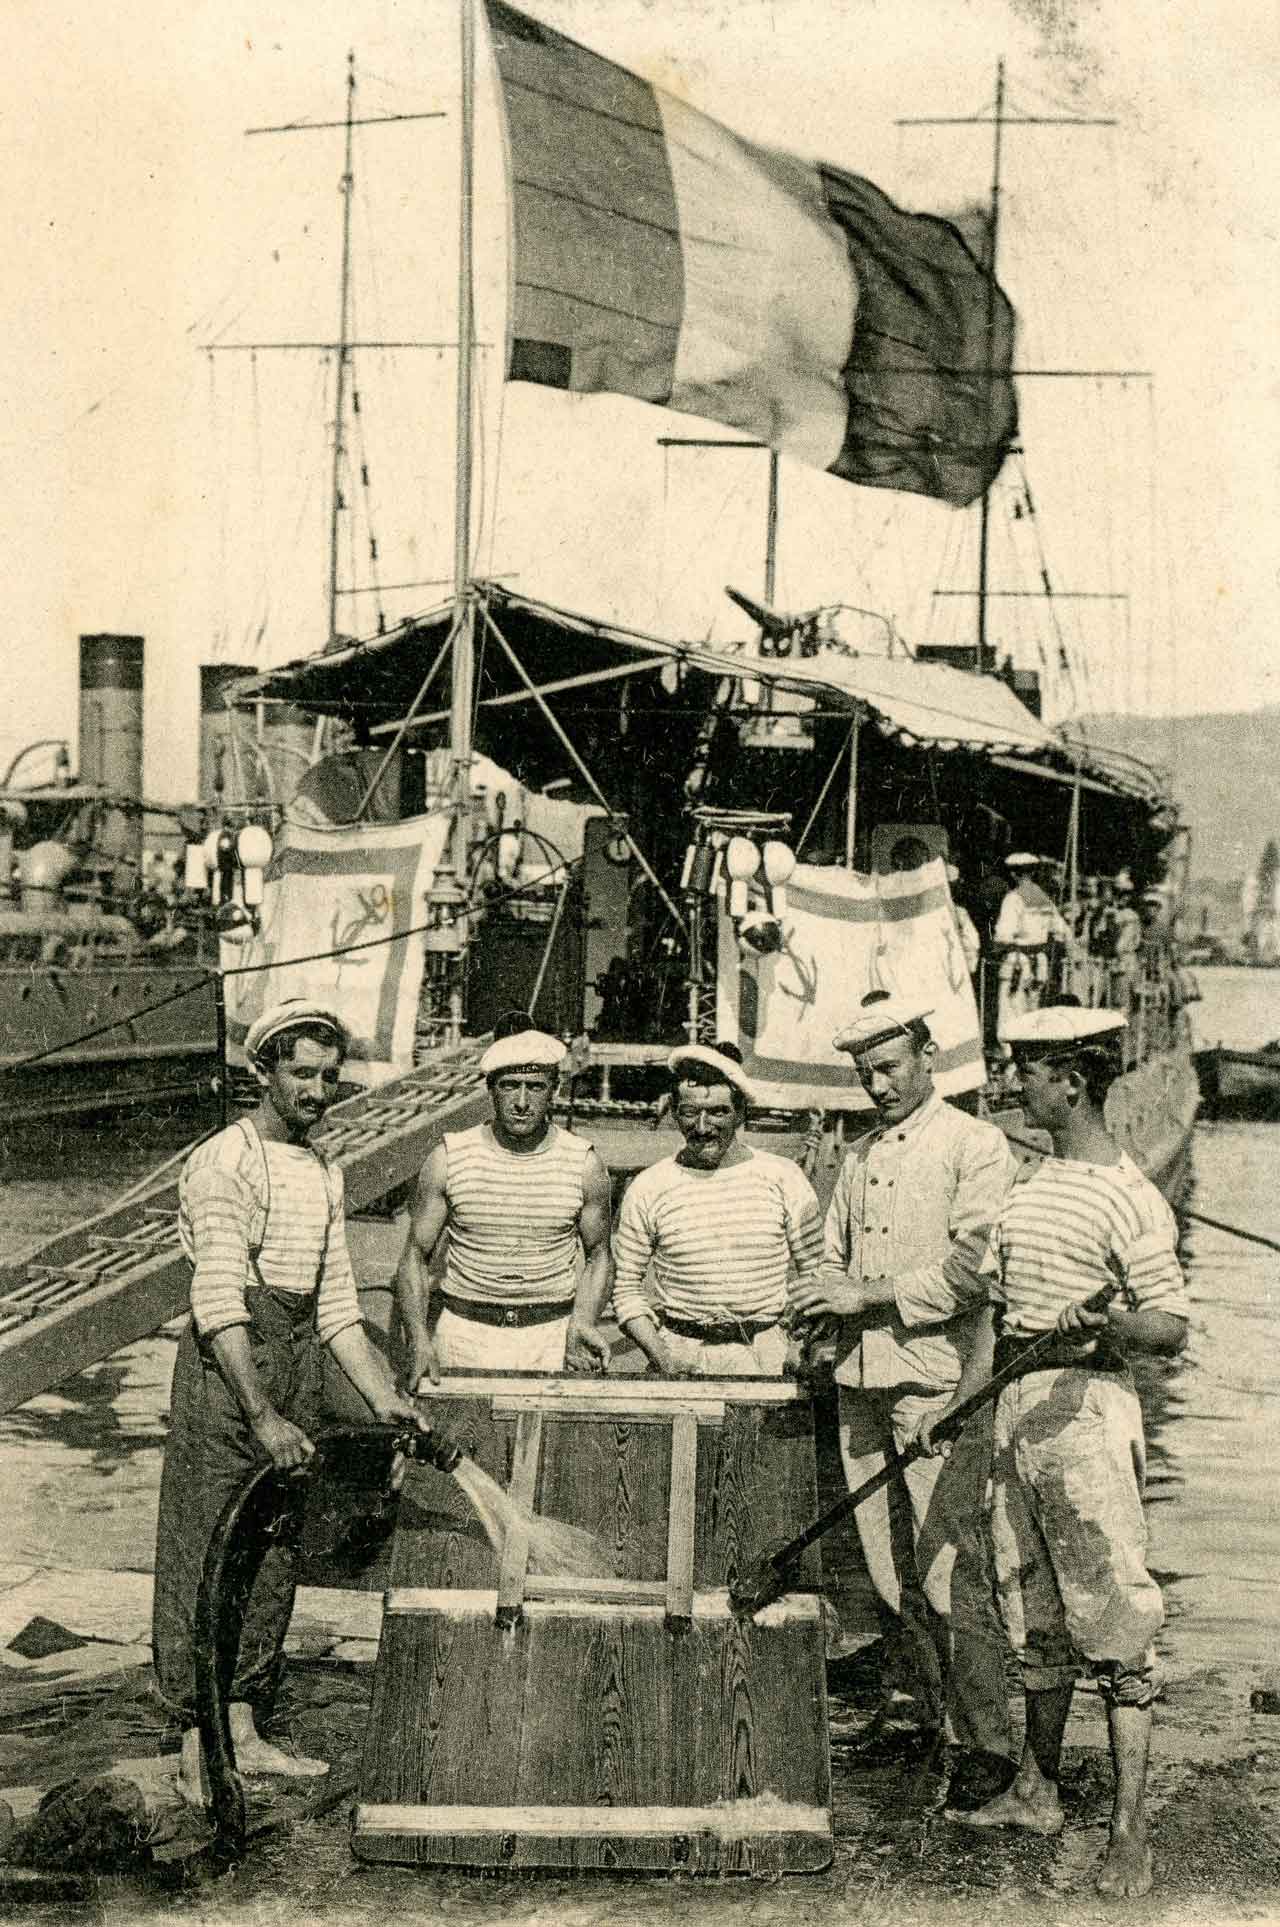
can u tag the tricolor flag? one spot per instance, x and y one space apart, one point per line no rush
660 255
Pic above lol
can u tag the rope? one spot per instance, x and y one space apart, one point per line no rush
1196 1217
1236 1231
213 977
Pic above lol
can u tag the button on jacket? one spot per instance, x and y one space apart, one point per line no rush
916 1202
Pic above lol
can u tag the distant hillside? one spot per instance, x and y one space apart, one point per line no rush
1226 777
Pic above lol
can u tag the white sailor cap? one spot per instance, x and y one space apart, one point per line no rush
287 1015
1023 860
524 1050
1059 1028
881 1018
724 1069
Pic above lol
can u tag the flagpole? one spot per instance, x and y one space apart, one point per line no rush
446 939
993 231
340 381
771 531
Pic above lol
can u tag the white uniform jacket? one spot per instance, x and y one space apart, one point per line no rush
916 1202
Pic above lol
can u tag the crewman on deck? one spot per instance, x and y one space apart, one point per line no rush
510 1205
910 1216
966 929
723 1226
260 1215
1125 956
1067 1521
1028 922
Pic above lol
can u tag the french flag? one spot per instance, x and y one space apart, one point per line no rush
658 254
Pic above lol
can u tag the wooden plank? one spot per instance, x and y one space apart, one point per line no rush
726 1820
515 1553
792 1608
588 1405
638 1592
431 1733
624 1396
594 1745
680 1516
623 1740
611 1479
756 1488
767 1681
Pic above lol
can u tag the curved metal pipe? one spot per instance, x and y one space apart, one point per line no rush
269 1505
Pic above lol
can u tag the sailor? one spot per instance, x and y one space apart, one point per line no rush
1028 922
966 929
1127 944
722 1225
910 1216
509 1205
260 1216
1067 1522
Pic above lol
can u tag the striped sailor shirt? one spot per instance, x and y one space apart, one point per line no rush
722 1243
1069 1228
513 1217
257 1213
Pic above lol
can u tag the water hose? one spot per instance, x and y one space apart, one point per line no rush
267 1508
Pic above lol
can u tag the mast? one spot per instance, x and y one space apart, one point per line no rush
336 503
464 641
446 940
993 232
771 531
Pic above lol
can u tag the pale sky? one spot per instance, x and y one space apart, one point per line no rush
149 487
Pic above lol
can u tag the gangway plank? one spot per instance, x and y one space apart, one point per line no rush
115 1278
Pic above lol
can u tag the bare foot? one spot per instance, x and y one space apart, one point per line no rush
256 1755
1126 1872
259 1756
1042 1814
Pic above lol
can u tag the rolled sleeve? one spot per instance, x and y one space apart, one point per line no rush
803 1224
1154 1276
337 1305
633 1244
216 1208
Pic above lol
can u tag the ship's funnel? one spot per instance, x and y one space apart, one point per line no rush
235 765
111 736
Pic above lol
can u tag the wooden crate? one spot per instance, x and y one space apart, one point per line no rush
526 1720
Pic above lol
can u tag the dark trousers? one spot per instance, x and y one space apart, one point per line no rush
210 1453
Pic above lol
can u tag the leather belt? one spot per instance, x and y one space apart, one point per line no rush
736 1331
481 1312
1064 1356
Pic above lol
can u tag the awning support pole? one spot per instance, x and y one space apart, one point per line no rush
577 761
851 800
822 793
403 726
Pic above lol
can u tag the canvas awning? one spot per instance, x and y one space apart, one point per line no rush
377 681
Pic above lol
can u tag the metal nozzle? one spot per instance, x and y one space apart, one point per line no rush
431 1448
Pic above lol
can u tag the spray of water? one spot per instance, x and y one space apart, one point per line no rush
555 1549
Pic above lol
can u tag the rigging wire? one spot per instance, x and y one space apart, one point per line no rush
1064 655
217 600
